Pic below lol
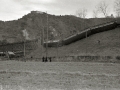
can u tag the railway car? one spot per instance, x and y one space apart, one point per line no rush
74 38
104 27
87 32
54 43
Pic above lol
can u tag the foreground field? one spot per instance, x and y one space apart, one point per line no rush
17 75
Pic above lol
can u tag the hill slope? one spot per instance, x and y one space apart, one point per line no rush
104 44
35 22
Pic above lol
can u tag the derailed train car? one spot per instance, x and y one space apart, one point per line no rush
54 43
74 38
87 32
90 31
104 27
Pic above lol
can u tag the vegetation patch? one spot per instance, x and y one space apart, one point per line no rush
118 57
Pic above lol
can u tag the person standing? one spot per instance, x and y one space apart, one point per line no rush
43 59
50 59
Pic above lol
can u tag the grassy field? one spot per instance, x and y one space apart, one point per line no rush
18 75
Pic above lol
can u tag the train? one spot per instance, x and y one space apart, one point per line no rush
81 35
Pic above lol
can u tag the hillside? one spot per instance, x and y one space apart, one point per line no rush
104 44
34 22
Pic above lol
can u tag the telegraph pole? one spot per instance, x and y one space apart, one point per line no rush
42 39
24 48
85 34
47 38
86 43
57 43
24 43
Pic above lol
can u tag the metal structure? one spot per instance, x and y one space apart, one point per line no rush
19 47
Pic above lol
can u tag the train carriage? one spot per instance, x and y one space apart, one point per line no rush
86 33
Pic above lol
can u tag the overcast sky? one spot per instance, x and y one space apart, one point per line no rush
14 9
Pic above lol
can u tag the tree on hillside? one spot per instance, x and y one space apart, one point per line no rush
23 24
82 13
95 13
103 8
117 8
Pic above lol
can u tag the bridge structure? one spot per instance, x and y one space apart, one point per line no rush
18 47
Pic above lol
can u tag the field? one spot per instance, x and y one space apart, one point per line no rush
18 75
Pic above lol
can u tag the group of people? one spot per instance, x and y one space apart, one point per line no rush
46 59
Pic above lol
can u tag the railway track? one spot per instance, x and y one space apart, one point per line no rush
85 33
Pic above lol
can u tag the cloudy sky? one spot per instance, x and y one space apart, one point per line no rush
14 9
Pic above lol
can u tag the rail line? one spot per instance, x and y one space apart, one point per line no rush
81 35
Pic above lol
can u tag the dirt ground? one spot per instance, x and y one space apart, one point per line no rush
18 75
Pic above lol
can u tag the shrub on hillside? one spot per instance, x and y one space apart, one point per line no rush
118 57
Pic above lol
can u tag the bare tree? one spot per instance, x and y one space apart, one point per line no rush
103 8
82 13
117 8
95 13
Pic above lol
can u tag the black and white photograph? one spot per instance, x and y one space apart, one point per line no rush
59 44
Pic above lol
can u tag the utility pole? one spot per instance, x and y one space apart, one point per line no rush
57 49
42 39
24 43
47 38
86 43
43 36
24 48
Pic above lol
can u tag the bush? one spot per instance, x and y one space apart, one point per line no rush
118 57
